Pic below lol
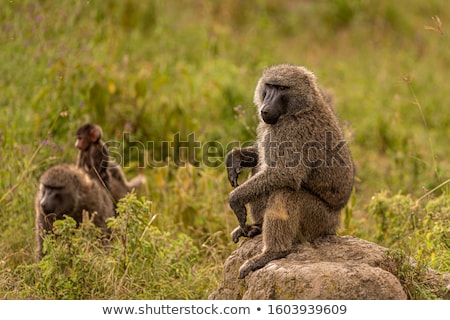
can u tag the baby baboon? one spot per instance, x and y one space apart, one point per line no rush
67 190
93 156
302 168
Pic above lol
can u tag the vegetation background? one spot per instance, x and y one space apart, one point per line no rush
167 76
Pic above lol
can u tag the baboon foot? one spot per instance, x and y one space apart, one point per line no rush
254 230
250 231
259 261
237 233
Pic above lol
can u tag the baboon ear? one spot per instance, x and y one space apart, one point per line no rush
95 134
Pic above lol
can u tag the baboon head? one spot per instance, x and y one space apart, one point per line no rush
57 191
86 135
285 90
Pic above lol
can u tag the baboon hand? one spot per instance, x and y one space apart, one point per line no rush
233 164
233 174
240 158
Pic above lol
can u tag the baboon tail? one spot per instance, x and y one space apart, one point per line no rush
260 261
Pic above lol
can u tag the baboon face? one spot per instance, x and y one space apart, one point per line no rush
56 200
284 90
58 189
87 135
274 102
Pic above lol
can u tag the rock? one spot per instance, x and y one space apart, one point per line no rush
333 267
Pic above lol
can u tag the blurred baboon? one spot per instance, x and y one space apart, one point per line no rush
93 154
302 174
67 190
118 183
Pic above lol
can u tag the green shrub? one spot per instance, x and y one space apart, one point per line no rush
138 262
420 229
415 277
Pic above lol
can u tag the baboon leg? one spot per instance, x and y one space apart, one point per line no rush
281 221
257 212
280 231
317 219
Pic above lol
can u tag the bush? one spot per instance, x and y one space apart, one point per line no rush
421 229
138 262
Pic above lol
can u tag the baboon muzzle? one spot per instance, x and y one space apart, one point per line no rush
271 106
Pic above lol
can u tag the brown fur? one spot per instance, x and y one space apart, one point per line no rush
298 184
93 155
67 190
118 183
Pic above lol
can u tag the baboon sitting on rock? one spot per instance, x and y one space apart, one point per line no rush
302 174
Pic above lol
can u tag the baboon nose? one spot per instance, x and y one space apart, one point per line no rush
268 117
46 208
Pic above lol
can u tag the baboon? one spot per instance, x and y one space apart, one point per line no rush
93 154
302 174
118 183
68 190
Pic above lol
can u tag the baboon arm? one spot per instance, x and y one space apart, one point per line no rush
262 183
265 182
240 158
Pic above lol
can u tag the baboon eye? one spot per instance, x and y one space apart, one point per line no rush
282 88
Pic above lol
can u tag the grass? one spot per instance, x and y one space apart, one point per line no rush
164 71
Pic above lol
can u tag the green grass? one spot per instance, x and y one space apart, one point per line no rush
166 69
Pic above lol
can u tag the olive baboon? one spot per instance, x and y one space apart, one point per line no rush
118 183
302 172
93 154
67 190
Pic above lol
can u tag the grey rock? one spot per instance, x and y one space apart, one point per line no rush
333 267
